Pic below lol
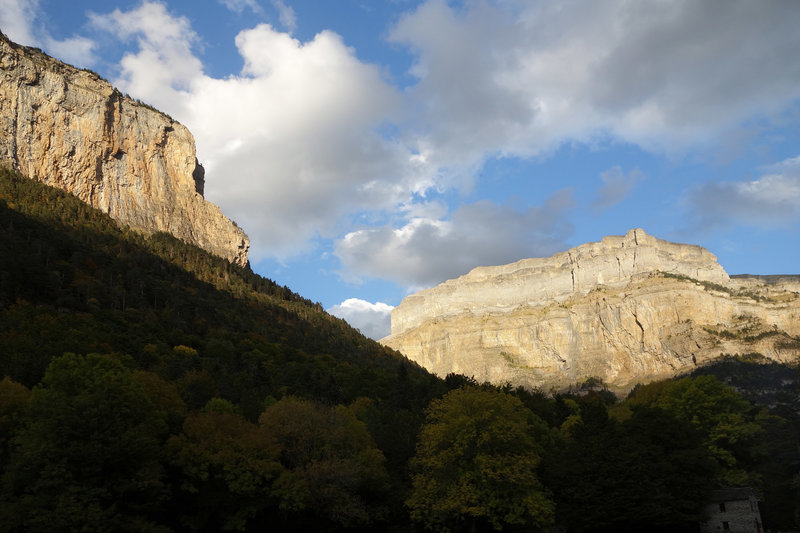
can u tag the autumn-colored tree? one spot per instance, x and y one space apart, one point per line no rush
476 463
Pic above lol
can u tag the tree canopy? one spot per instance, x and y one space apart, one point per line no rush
476 464
333 470
723 417
88 453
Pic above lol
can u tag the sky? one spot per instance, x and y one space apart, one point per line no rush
374 148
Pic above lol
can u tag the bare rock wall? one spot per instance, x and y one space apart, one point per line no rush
71 129
627 310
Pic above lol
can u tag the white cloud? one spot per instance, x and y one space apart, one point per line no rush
76 50
164 67
770 201
425 252
788 166
304 116
16 17
519 77
290 144
295 144
238 6
372 319
616 187
286 15
18 20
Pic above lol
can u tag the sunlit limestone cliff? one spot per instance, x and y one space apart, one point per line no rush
69 128
627 309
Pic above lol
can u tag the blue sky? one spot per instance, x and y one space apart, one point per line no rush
371 149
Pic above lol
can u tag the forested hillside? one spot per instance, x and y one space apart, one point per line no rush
146 385
194 332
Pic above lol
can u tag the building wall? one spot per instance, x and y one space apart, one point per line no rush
739 515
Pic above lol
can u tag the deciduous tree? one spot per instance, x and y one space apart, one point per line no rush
227 466
723 417
476 463
334 472
88 454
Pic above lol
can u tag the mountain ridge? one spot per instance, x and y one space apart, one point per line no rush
627 309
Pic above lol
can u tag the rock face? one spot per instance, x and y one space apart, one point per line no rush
71 129
627 310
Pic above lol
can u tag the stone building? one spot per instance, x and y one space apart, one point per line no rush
735 510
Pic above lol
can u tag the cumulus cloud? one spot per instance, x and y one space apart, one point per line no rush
769 201
164 67
616 187
372 319
76 50
291 143
425 252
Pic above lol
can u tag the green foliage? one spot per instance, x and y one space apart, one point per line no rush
721 415
220 405
157 428
227 466
751 329
197 388
71 280
334 473
190 327
677 470
476 464
165 397
649 473
88 455
150 107
774 459
93 73
13 399
711 286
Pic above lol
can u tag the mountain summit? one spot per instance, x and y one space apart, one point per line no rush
627 309
71 129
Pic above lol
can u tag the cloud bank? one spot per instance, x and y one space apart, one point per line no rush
518 77
428 251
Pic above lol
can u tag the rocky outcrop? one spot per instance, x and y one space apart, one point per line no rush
71 129
627 310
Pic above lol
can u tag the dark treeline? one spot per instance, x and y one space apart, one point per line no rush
149 386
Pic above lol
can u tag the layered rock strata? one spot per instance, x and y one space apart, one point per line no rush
71 129
628 309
